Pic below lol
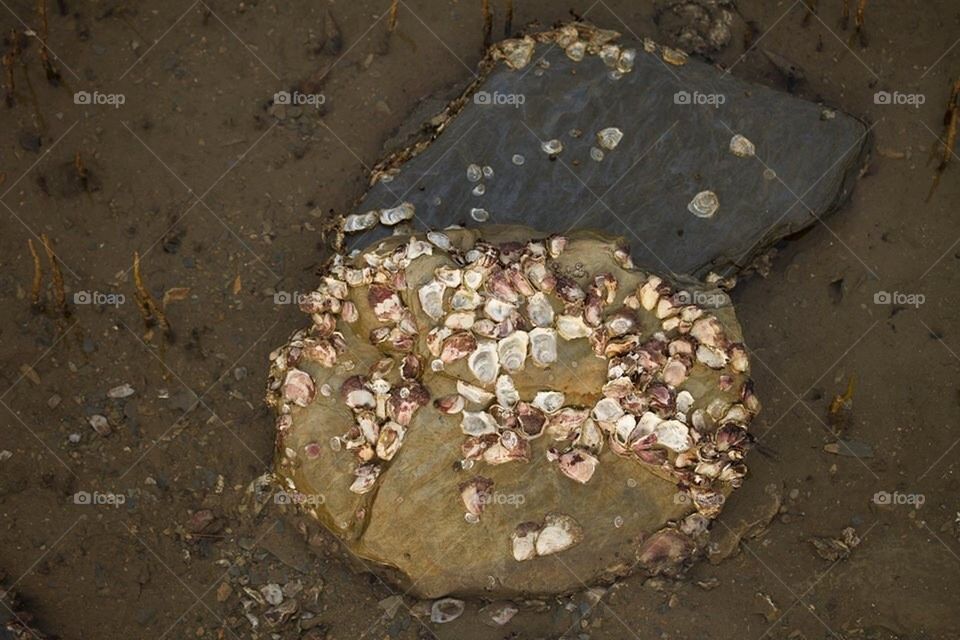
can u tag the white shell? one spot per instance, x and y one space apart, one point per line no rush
478 423
390 440
460 320
648 293
711 356
673 435
524 544
549 401
741 147
431 298
507 395
360 221
543 346
609 138
685 401
397 214
465 299
704 204
552 147
559 532
450 276
473 393
439 240
539 310
608 410
484 363
572 327
512 351
498 310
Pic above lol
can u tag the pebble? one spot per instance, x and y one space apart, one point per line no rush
497 614
100 424
121 391
272 593
224 591
5 455
74 438
390 605
53 401
30 141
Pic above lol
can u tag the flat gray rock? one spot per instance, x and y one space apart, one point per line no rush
677 123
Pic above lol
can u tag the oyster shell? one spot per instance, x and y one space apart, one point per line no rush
572 327
609 138
298 387
549 401
360 221
524 541
543 346
704 204
559 533
507 395
366 478
539 310
552 147
484 363
431 298
578 465
673 435
476 494
477 423
450 404
396 215
474 394
741 147
512 351
390 440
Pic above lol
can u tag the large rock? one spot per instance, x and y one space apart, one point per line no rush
444 513
677 116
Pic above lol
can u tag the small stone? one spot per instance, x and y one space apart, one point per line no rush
100 424
518 159
497 614
224 591
121 391
5 455
53 401
390 605
272 593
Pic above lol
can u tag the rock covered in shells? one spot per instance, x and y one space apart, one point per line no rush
508 396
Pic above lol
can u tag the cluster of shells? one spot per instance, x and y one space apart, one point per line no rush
579 40
501 308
